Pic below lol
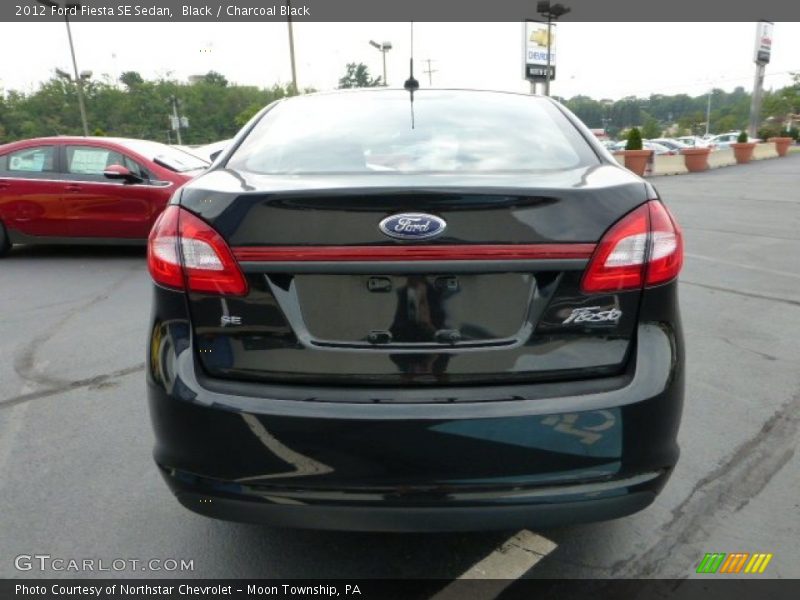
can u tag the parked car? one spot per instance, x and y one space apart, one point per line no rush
694 141
674 145
87 189
658 149
370 318
208 152
724 140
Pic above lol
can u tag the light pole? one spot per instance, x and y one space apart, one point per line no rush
72 6
383 48
552 12
291 45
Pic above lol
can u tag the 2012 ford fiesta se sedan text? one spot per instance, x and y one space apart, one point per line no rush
451 310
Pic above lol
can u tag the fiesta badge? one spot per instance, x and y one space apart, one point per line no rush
412 226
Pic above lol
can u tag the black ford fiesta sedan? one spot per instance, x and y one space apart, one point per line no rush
446 311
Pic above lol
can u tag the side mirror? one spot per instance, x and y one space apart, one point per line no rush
214 155
123 173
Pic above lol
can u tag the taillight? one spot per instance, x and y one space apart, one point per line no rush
184 252
163 260
645 247
665 257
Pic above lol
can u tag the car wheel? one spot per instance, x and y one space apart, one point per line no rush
5 243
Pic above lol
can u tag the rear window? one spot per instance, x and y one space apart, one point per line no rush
40 159
441 132
169 157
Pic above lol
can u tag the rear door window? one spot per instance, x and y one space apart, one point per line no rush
34 162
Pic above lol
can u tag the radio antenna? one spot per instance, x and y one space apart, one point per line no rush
411 84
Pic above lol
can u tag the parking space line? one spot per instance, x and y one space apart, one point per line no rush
510 561
731 263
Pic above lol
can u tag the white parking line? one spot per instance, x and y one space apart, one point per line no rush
509 562
739 265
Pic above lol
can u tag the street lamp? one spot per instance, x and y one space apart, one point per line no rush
79 77
291 45
384 48
552 12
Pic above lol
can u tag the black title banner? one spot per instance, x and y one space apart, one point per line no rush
710 588
393 10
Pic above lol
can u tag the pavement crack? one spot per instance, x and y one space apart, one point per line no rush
749 234
746 349
724 491
742 293
25 358
96 382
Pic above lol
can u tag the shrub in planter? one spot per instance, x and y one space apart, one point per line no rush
696 159
743 149
781 144
635 156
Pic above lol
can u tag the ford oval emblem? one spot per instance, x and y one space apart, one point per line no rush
412 226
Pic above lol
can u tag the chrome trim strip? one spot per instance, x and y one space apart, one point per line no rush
157 183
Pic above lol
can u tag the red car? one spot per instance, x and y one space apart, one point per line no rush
87 190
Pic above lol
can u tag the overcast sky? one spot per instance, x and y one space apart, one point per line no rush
602 60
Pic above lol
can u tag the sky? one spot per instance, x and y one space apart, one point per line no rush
601 60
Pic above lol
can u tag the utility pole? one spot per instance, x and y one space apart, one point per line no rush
708 112
78 80
72 7
291 45
176 120
430 72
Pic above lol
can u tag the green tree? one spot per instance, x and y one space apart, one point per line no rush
651 129
357 76
131 79
214 78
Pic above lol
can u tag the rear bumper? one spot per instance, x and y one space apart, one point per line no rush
481 458
499 509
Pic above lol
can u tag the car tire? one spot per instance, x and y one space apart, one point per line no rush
5 243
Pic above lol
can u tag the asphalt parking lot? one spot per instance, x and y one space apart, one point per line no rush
77 479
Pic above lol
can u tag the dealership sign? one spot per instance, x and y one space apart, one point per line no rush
763 42
535 48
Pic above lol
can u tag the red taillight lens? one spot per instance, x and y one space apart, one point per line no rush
665 258
184 252
163 260
645 247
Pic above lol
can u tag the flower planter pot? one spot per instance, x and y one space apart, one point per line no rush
696 159
636 160
781 144
743 152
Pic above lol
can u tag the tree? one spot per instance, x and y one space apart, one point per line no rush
214 78
131 79
651 129
357 76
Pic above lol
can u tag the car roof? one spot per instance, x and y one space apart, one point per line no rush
80 138
399 90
